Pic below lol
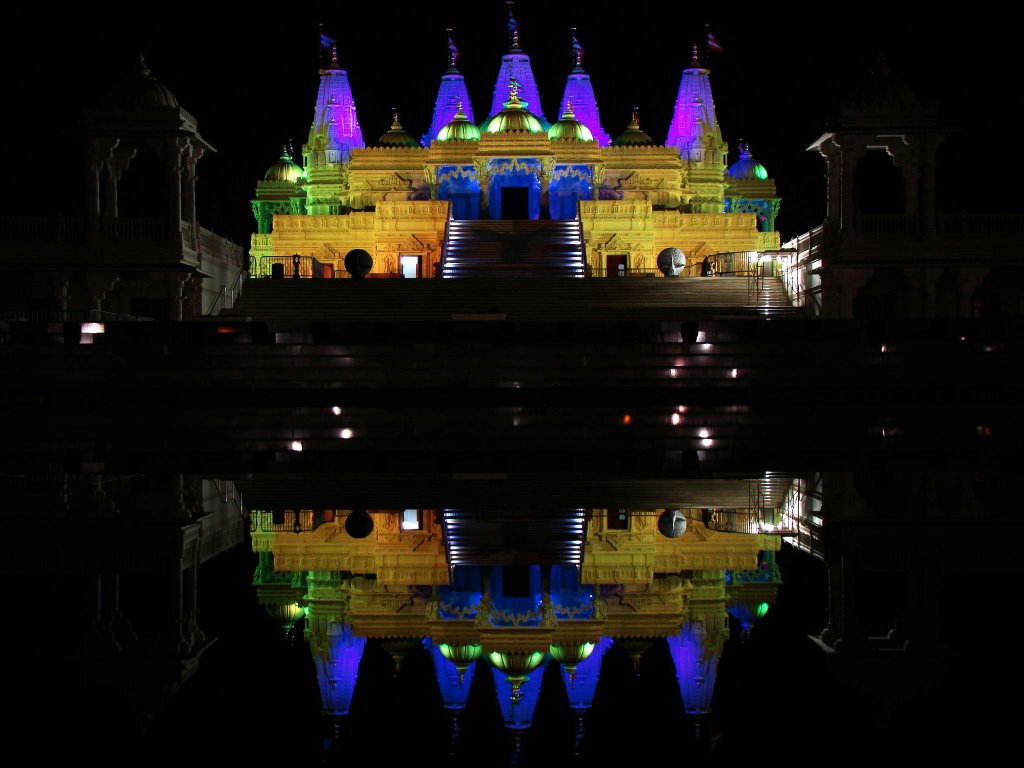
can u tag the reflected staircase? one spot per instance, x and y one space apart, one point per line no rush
513 248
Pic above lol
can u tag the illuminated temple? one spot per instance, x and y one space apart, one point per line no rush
628 197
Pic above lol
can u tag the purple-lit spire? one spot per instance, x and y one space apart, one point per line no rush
694 114
335 113
450 93
580 93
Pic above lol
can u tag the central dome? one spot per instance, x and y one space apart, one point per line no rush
514 118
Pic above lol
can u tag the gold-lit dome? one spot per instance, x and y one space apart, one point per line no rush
396 135
568 128
459 129
633 136
285 169
514 118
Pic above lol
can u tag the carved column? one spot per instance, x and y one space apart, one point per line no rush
188 192
430 178
597 176
483 177
173 161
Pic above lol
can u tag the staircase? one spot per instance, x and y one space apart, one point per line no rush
513 249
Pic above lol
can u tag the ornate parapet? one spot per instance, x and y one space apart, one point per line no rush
706 550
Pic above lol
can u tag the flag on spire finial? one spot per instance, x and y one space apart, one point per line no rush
453 52
577 50
513 28
326 41
712 43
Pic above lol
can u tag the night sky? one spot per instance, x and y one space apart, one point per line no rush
250 80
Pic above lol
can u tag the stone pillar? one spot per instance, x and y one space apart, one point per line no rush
117 164
597 178
173 161
188 191
928 212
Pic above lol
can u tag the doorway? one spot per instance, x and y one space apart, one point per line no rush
410 265
615 265
515 202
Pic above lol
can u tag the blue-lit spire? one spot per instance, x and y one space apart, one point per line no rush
580 93
450 94
516 64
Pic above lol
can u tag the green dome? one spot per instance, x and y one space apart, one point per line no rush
514 117
569 128
459 129
285 169
747 167
633 136
396 135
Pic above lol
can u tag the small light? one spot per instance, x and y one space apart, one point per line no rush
704 434
700 336
885 348
225 329
984 430
707 442
681 408
627 419
735 372
93 328
963 338
336 410
296 445
345 434
706 347
673 372
676 418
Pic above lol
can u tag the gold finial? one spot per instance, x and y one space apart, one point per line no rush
568 114
453 52
636 118
577 50
334 56
695 57
513 28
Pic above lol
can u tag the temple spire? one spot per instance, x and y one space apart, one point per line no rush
580 92
516 64
334 117
694 114
450 94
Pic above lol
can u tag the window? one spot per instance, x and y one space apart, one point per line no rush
412 520
618 520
